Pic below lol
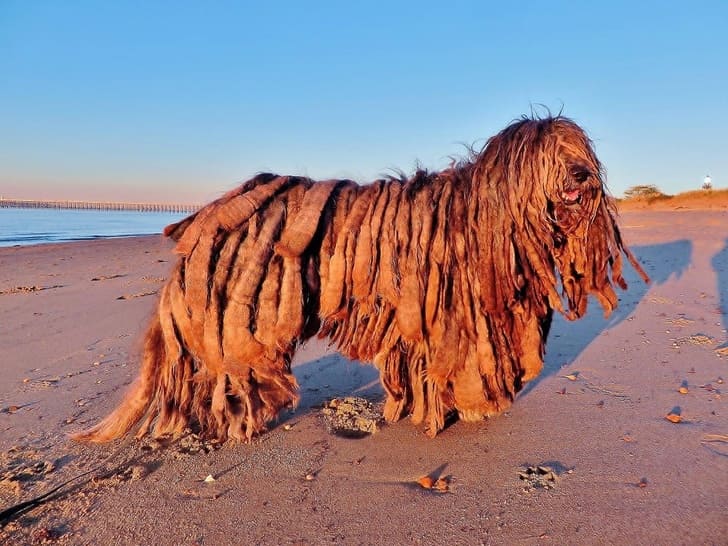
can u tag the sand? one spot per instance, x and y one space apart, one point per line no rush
71 320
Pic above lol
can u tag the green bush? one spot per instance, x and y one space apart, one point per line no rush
644 191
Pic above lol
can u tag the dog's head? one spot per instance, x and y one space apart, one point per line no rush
576 188
544 170
541 180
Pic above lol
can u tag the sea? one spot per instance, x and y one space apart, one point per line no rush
19 226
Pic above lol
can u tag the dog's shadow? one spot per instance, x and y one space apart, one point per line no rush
568 339
324 374
720 266
332 375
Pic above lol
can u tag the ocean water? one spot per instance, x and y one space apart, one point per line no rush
35 226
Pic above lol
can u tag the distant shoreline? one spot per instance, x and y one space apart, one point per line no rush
30 226
97 205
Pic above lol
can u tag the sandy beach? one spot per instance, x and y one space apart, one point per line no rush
71 320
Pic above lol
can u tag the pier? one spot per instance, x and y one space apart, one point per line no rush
97 205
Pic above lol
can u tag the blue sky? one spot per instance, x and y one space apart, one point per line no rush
180 101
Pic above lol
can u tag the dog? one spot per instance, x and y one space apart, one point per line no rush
447 281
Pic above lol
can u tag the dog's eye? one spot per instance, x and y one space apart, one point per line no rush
580 175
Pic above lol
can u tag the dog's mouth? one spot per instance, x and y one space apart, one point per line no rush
571 197
576 184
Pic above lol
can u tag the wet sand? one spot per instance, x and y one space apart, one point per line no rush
71 320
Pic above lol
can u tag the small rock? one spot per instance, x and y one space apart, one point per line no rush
138 472
674 417
538 477
352 417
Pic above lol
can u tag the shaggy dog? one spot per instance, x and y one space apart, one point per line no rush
446 281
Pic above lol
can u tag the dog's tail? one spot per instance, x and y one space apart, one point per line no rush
138 398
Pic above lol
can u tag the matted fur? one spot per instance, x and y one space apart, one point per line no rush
446 281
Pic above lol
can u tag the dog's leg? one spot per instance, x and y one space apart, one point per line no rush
392 368
239 401
410 391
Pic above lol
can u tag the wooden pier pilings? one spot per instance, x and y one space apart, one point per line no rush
97 205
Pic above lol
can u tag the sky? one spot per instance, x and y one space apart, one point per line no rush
175 101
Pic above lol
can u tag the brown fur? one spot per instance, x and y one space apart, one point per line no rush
445 281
